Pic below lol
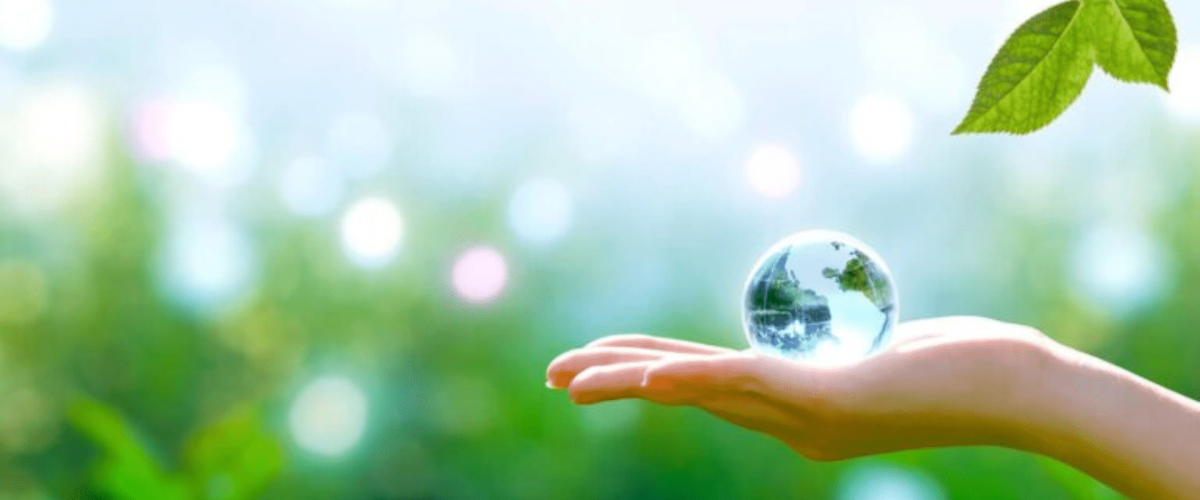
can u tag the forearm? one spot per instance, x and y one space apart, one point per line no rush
1139 438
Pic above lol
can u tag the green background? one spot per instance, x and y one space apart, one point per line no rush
163 309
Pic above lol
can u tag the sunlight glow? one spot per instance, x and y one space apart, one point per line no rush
329 416
204 137
208 262
887 482
200 135
772 171
1119 269
371 232
54 150
197 120
881 128
25 24
480 274
61 125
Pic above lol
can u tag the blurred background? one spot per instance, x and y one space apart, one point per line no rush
325 248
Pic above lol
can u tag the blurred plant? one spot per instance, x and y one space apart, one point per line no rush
230 459
1043 66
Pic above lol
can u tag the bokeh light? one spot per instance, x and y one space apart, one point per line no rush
55 148
202 136
881 128
480 274
197 119
201 215
1118 269
872 481
371 232
60 125
208 262
540 210
25 24
329 416
772 171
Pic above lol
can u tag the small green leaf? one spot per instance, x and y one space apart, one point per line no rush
126 470
1038 73
1046 63
1134 40
234 458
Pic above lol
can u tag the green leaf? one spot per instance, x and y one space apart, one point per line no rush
1046 63
126 470
1134 40
233 458
1039 71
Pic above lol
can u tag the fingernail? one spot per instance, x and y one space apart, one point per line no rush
550 385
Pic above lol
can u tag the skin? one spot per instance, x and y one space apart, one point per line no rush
957 381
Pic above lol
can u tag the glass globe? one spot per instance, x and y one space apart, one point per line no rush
822 297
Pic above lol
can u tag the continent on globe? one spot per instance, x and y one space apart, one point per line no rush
819 296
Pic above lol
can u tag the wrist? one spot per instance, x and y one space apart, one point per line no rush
1030 384
1041 412
1113 425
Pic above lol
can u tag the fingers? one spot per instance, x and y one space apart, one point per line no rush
735 371
620 349
566 366
731 373
607 382
623 380
782 383
658 343
629 380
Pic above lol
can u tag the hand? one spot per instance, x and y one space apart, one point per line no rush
947 381
944 382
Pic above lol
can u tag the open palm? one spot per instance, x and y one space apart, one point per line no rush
945 381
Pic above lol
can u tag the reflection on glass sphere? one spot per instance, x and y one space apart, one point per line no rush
820 296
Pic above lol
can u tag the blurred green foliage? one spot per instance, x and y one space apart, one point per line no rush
113 391
232 458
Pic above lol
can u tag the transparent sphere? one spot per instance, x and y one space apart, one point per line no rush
820 296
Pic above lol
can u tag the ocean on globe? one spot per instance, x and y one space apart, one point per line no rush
822 297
